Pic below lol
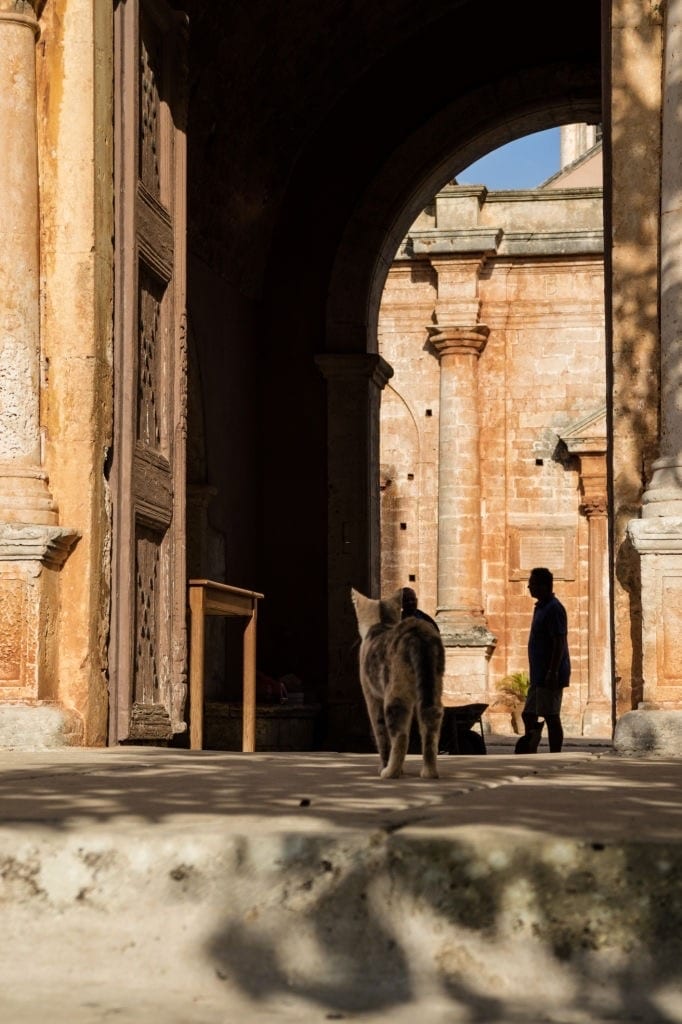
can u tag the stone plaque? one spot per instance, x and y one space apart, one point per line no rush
552 547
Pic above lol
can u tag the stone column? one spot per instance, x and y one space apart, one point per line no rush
657 536
24 495
458 339
354 385
32 545
459 604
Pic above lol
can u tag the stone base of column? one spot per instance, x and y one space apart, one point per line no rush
464 630
30 558
662 498
658 540
40 726
467 655
649 733
597 719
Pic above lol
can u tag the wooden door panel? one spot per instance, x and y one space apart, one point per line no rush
148 641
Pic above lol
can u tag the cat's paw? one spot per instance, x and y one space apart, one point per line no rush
428 773
390 773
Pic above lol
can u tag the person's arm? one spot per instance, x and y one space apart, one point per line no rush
558 629
558 648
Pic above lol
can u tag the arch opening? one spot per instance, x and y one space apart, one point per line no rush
492 317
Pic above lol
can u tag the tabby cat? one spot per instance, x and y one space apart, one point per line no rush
401 671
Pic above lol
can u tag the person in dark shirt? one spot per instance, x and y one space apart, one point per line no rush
549 664
410 607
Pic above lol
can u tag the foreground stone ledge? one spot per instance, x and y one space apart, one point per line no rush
644 731
502 922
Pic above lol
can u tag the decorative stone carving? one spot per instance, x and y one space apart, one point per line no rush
30 557
594 507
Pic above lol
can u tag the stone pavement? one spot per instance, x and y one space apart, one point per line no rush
146 885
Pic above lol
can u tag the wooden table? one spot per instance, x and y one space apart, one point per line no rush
209 598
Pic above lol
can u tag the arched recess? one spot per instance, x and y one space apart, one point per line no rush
435 96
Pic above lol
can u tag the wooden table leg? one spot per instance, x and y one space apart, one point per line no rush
249 685
196 670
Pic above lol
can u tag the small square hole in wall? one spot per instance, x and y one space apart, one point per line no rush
412 578
429 412
410 476
539 462
403 526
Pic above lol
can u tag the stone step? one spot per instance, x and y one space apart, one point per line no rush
153 885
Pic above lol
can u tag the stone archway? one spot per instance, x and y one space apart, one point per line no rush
357 282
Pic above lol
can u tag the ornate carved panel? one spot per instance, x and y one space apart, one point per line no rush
150 124
147 612
150 360
13 617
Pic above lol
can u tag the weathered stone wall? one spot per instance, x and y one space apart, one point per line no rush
75 120
633 179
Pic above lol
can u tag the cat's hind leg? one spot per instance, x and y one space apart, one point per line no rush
398 720
430 721
375 710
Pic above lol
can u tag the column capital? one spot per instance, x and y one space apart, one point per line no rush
354 365
595 506
452 263
455 340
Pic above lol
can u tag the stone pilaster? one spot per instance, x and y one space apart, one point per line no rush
587 440
598 713
32 544
657 536
354 385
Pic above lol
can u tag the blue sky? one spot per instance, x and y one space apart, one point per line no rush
525 163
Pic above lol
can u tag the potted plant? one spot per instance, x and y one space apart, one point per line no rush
514 690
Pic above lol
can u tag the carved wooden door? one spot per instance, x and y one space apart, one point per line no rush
148 634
